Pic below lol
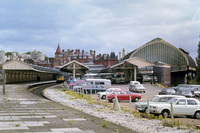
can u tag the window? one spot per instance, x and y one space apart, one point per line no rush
191 102
163 99
127 92
181 102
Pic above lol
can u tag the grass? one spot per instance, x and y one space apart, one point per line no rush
17 125
164 121
104 124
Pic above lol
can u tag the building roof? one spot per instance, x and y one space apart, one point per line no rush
189 61
112 55
19 65
58 51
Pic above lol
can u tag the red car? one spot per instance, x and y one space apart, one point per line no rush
123 95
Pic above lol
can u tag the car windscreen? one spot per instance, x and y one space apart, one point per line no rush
155 99
173 100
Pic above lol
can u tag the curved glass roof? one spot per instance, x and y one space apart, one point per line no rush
160 50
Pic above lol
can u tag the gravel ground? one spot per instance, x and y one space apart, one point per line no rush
123 119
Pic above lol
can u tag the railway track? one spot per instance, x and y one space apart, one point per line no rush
37 89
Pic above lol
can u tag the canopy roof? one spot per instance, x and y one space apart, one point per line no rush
79 67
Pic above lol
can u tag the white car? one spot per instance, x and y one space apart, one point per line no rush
142 106
181 106
132 84
108 91
138 88
197 93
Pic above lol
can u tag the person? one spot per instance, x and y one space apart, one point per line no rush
151 81
154 80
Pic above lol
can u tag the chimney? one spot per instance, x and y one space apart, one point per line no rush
90 52
120 55
94 54
68 51
123 53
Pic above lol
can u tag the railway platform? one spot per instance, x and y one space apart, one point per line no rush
23 112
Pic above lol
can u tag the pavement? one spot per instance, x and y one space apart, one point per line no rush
23 112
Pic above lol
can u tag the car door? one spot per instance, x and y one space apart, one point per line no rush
191 107
180 108
120 95
127 95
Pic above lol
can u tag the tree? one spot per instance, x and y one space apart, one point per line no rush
198 65
28 53
8 53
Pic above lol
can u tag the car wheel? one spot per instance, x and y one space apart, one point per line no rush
113 100
197 115
145 110
103 97
136 99
165 113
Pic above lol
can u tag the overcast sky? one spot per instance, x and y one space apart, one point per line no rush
101 25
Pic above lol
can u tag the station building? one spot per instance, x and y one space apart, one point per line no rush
172 65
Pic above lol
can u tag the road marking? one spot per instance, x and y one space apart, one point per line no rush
22 117
21 125
76 119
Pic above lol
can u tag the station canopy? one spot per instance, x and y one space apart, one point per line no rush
135 61
16 65
74 65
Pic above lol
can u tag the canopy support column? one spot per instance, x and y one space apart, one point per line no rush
135 74
74 71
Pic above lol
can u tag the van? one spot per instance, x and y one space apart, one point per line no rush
93 82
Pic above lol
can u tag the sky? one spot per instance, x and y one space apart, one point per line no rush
102 25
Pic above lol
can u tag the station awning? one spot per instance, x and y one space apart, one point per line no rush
135 61
74 65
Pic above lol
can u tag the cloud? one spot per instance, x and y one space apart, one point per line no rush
101 25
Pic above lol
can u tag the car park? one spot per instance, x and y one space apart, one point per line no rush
142 106
108 91
94 89
137 88
186 93
167 91
123 95
181 106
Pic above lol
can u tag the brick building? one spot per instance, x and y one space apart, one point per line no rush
106 59
62 57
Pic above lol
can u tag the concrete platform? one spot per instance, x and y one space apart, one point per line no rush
22 111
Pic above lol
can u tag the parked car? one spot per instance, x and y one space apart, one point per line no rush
137 88
123 95
142 106
167 91
186 93
108 91
94 89
132 84
146 78
197 93
181 106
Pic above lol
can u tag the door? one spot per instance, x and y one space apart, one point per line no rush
191 107
180 108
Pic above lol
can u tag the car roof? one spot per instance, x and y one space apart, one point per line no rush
170 96
187 98
114 88
121 90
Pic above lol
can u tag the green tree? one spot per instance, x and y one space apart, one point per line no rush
198 65
28 52
8 53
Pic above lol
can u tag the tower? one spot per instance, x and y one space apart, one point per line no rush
58 51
